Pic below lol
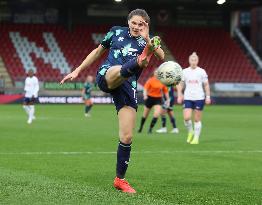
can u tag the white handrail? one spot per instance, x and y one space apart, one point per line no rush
249 48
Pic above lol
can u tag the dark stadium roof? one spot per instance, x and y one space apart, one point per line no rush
153 3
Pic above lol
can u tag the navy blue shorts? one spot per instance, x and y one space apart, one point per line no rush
124 95
194 104
29 100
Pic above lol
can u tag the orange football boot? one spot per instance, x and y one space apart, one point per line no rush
144 58
122 184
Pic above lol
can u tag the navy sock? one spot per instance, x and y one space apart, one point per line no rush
130 68
173 121
163 121
143 119
123 155
152 124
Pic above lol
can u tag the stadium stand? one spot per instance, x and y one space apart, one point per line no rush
50 50
220 55
53 51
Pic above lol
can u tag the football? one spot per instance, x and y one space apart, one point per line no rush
169 73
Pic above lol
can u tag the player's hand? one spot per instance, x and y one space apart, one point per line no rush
167 103
208 101
145 97
144 31
70 76
180 99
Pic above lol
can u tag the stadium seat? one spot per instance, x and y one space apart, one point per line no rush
220 55
53 51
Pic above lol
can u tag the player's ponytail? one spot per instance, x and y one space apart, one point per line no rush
139 12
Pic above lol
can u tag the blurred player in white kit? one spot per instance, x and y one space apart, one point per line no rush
31 93
196 95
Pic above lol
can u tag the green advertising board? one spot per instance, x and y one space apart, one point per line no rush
65 86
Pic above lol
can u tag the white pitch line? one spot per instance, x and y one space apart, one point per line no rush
137 152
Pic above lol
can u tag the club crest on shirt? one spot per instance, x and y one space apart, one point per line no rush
121 38
141 42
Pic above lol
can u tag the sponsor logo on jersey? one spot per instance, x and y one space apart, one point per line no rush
129 51
193 81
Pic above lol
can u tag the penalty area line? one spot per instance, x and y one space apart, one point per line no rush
138 152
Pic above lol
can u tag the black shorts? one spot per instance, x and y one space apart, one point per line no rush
124 95
151 101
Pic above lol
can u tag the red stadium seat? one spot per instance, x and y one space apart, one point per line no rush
219 54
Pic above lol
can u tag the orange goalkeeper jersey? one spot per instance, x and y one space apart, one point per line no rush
155 88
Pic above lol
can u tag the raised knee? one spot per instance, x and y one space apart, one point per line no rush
126 138
109 86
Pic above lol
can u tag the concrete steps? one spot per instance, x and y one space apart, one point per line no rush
5 74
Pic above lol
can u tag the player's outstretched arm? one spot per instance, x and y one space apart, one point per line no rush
207 92
180 96
92 57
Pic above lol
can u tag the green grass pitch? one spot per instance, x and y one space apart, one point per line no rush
65 158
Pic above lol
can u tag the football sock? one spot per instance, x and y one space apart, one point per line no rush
188 124
123 156
26 108
88 108
31 111
142 122
173 122
145 56
163 119
130 68
197 129
152 124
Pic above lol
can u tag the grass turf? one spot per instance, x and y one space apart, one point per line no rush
65 158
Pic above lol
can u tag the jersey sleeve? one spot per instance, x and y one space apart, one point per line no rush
106 43
183 76
25 87
204 77
147 85
36 87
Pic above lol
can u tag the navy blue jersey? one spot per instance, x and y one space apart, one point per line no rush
171 91
122 48
87 90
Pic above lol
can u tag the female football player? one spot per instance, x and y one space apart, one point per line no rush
130 49
86 94
196 95
153 92
167 108
31 92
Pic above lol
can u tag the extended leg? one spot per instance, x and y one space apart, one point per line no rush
126 118
116 75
